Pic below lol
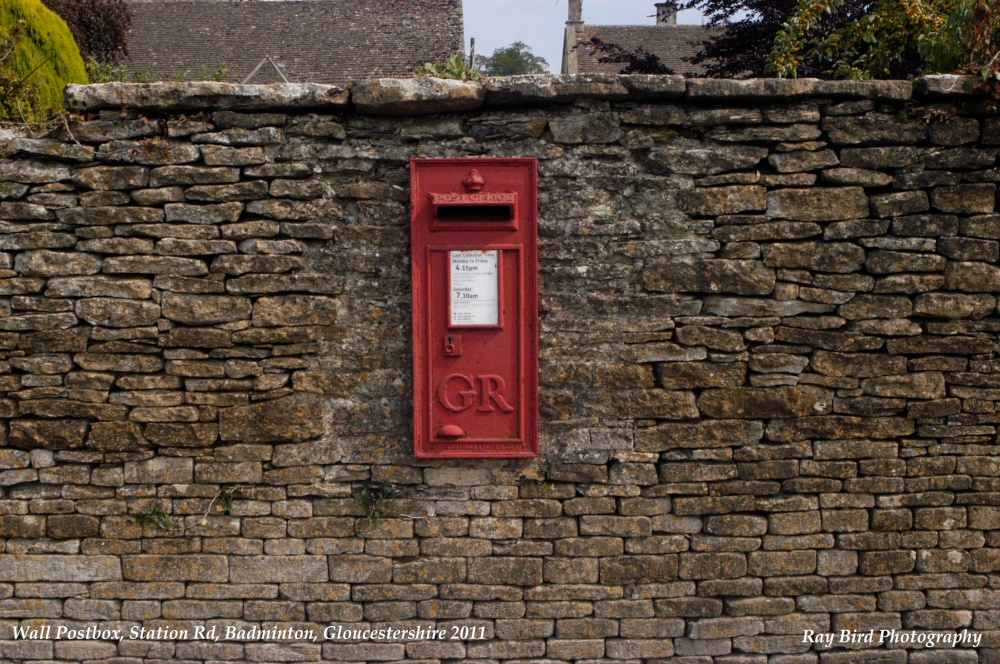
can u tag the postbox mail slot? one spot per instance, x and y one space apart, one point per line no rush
475 307
468 211
475 213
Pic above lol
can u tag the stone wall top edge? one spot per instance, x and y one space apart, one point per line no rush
204 95
415 96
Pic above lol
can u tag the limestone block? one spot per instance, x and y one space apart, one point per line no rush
689 157
189 567
278 569
677 275
712 565
388 96
205 95
116 312
47 434
61 568
205 309
291 419
295 310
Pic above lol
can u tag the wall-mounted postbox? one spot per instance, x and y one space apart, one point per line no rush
475 307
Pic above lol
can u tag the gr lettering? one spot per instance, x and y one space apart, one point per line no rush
458 393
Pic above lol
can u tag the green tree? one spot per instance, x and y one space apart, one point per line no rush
968 39
18 97
848 38
876 43
513 60
42 54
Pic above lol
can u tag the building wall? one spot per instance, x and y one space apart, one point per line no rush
768 375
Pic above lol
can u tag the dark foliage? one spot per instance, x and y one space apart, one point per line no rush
740 46
100 27
639 61
745 32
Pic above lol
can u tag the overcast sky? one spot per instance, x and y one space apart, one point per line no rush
541 23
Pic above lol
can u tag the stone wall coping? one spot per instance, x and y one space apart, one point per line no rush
414 96
203 96
946 85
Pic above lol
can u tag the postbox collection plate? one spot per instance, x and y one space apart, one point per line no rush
474 238
475 288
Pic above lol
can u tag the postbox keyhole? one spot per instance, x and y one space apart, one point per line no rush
453 345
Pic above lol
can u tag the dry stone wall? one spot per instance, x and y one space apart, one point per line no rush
769 376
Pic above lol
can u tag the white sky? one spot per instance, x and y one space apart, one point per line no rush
541 23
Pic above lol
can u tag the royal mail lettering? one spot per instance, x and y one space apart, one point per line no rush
498 198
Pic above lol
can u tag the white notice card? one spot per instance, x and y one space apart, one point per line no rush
474 288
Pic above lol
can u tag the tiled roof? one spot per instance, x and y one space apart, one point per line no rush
672 43
317 41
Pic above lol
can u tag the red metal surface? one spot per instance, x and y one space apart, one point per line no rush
475 368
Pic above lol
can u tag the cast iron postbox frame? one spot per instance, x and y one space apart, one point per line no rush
474 256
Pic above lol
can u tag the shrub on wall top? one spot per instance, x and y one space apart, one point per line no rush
45 53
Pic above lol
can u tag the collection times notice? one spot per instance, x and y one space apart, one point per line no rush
475 288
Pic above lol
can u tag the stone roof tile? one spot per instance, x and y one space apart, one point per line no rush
671 43
318 41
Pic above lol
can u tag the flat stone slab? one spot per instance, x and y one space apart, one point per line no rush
941 85
540 89
60 568
407 96
797 88
204 95
654 86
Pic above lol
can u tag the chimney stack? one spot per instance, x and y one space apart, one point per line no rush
666 13
575 11
574 26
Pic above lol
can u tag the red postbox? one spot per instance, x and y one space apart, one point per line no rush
474 232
